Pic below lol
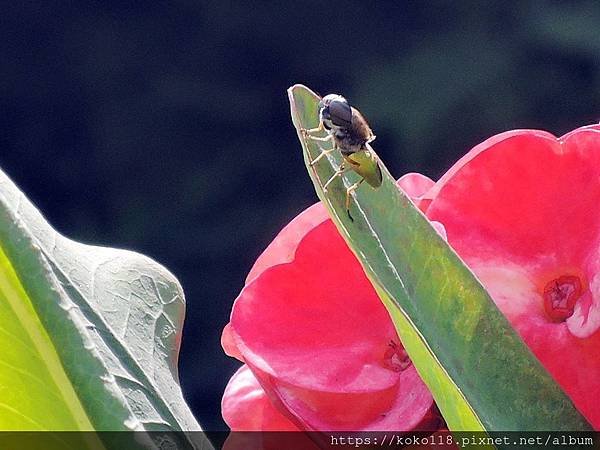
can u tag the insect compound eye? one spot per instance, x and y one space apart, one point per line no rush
335 109
325 101
340 112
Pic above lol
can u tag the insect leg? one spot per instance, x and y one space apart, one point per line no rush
320 139
323 153
337 173
349 191
308 132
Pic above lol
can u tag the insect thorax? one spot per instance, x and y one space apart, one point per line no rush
352 139
347 142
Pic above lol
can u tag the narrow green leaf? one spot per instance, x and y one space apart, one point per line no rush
482 375
90 335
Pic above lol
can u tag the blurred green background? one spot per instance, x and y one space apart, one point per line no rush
163 127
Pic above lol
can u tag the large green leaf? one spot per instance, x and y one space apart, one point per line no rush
482 375
89 335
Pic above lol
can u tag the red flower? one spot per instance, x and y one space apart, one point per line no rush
521 209
321 350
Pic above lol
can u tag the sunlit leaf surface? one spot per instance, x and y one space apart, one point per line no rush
481 374
89 335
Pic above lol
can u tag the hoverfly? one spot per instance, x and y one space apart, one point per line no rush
349 133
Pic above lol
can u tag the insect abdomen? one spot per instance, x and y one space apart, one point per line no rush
366 164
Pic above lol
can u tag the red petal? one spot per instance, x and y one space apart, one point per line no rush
402 407
595 126
527 197
572 361
246 407
315 334
283 247
475 151
280 251
517 210
308 319
228 343
415 184
249 413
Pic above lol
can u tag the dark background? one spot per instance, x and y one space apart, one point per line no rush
163 127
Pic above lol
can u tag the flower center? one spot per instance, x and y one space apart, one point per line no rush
560 296
395 357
